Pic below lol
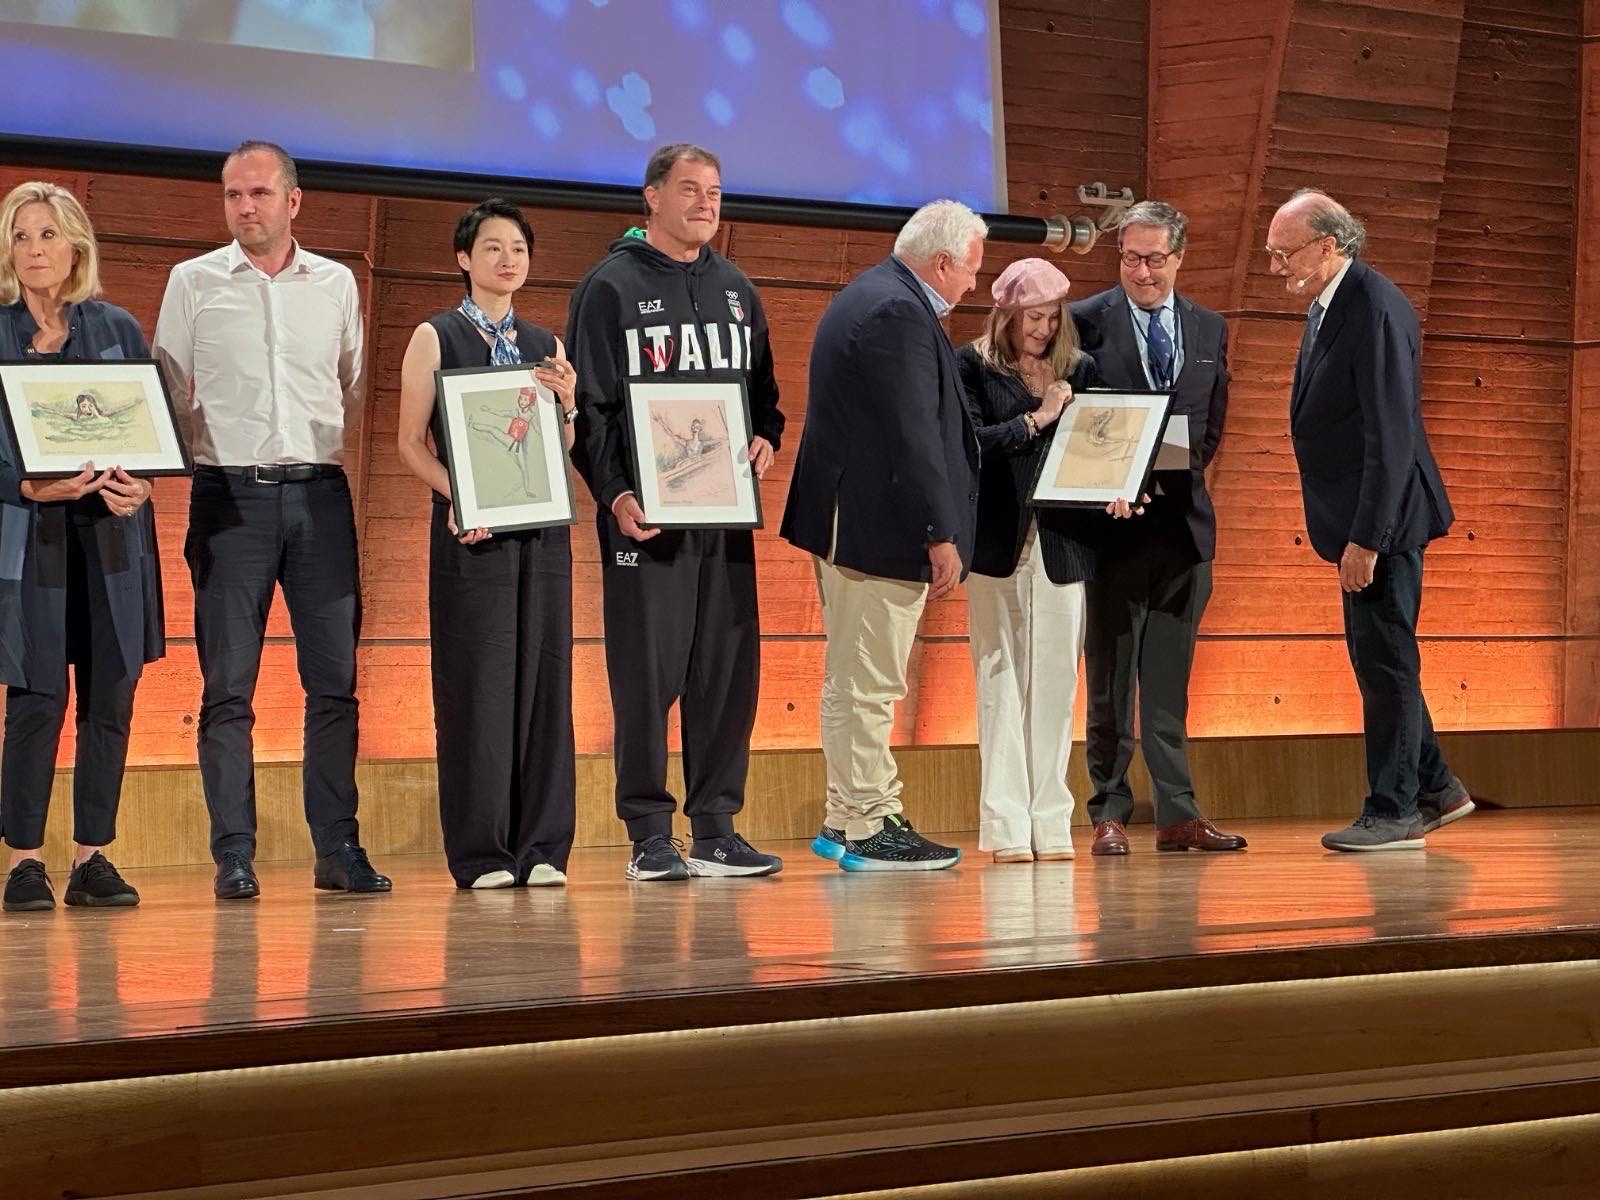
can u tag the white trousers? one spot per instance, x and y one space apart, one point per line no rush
871 625
1026 635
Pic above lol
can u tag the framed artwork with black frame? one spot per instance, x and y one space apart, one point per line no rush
1104 449
504 447
64 414
691 446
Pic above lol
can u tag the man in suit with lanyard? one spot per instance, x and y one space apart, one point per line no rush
884 498
1374 499
1153 574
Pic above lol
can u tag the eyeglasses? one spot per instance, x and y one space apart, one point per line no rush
1283 256
1154 261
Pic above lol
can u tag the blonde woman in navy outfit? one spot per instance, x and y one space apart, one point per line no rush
499 605
79 580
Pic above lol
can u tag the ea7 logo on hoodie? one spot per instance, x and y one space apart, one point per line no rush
646 307
727 348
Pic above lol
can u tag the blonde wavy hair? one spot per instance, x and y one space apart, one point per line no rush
74 223
994 343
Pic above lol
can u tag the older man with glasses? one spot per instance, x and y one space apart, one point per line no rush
1153 577
1374 499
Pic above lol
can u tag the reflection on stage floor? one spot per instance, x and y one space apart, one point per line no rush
183 963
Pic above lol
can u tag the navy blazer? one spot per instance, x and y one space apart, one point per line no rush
1011 458
1181 512
888 443
33 594
1367 474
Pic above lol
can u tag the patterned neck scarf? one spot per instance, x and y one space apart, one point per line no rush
505 352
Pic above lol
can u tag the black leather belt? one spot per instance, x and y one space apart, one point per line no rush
279 472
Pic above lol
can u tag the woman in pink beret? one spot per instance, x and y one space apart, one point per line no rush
1025 593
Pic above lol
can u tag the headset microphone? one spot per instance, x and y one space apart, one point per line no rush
1300 284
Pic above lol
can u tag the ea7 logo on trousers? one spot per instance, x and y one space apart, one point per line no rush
627 558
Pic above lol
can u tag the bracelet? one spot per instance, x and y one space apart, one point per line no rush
1033 426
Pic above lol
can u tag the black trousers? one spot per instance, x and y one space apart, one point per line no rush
245 538
681 625
34 719
1380 631
500 620
1143 615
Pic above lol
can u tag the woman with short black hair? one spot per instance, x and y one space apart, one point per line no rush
499 606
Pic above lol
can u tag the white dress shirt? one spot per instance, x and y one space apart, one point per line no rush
1325 298
262 369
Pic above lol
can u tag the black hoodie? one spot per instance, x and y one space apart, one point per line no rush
639 314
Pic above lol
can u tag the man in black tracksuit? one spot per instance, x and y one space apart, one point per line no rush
680 604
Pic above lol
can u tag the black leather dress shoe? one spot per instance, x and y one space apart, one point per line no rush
235 879
347 870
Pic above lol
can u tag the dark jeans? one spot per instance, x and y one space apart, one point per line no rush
681 625
244 539
1143 615
500 620
104 715
1380 631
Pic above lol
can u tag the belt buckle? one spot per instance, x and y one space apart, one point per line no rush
255 474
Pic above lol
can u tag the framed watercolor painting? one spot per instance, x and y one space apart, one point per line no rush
504 449
61 415
691 441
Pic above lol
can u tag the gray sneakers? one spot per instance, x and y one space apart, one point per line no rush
1370 832
1449 803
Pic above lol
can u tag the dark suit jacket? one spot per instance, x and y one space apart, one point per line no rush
1010 459
888 441
33 562
1181 514
1366 473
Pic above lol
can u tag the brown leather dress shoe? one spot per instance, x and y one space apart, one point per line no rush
1109 838
1199 834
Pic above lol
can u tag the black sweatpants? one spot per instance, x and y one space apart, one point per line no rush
681 625
500 619
104 714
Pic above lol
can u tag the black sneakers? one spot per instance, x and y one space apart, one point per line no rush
28 888
657 857
897 847
829 843
92 884
96 884
730 855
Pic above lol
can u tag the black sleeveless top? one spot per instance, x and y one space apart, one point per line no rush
461 345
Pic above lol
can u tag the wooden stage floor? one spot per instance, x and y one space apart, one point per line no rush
186 983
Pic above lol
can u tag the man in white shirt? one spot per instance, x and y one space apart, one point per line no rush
262 345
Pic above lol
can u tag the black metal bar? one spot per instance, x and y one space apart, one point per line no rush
72 155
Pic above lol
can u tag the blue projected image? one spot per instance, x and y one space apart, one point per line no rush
888 102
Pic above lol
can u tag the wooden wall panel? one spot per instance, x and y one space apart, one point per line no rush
1506 223
1582 616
